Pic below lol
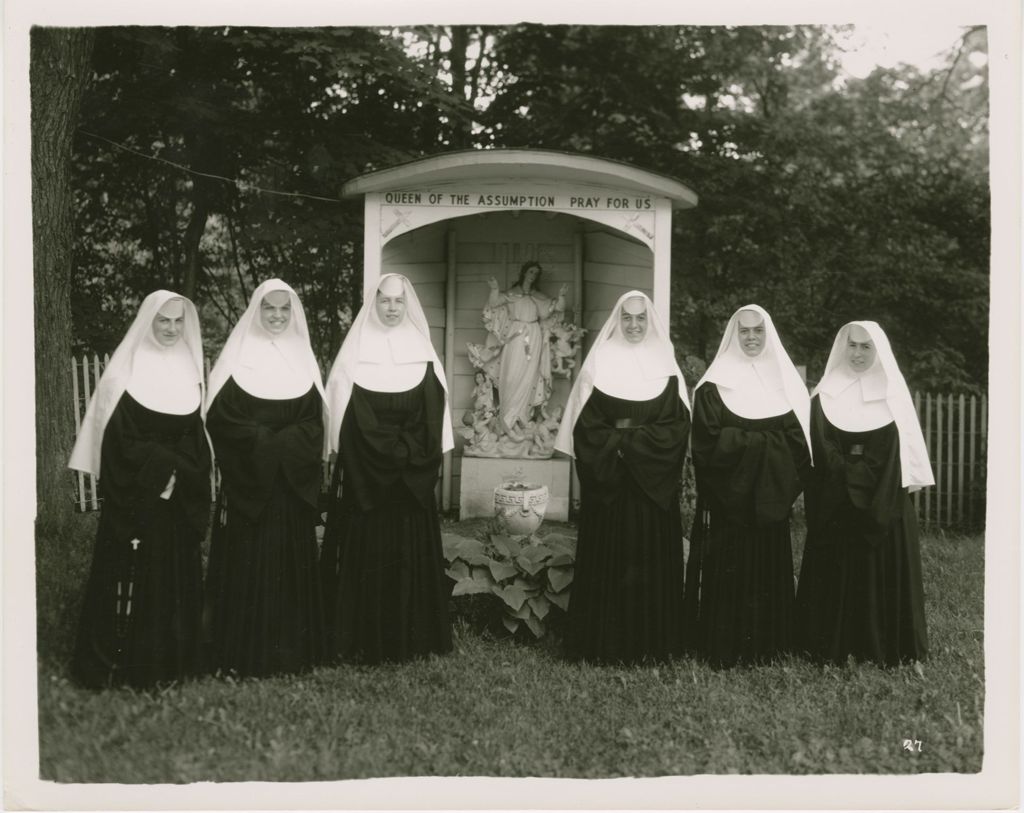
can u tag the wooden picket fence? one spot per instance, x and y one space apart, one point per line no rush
955 430
84 376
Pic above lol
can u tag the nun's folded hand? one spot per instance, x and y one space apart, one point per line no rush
166 493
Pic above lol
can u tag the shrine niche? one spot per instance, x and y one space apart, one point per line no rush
517 256
528 343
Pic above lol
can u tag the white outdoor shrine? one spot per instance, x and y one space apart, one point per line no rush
452 222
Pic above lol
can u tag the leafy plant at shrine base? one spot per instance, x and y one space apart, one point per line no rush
530 575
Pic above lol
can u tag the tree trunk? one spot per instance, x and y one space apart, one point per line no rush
205 154
59 68
193 236
461 129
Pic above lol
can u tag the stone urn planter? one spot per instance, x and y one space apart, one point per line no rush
520 507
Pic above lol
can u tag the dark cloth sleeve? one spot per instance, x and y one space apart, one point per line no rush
296 443
754 474
422 435
376 455
137 464
855 482
132 461
192 475
256 439
827 494
650 453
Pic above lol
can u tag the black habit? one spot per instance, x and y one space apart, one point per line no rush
265 603
861 591
382 563
141 618
740 582
627 592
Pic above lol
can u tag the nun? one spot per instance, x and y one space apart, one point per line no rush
143 437
266 417
861 592
627 424
751 456
382 563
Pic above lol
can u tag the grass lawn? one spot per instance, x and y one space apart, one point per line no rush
500 706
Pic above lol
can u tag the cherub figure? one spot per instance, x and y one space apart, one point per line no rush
564 338
478 432
485 442
483 393
544 432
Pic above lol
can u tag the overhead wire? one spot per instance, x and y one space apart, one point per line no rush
241 185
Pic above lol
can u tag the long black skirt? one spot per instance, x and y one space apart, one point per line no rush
384 583
266 607
861 599
740 590
627 592
142 614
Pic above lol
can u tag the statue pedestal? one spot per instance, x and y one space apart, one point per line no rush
481 475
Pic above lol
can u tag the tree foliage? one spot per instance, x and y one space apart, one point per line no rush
822 201
823 198
240 141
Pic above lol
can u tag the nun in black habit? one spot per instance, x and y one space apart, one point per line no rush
861 592
751 456
382 563
627 423
143 438
266 418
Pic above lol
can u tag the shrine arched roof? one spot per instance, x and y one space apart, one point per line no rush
517 164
